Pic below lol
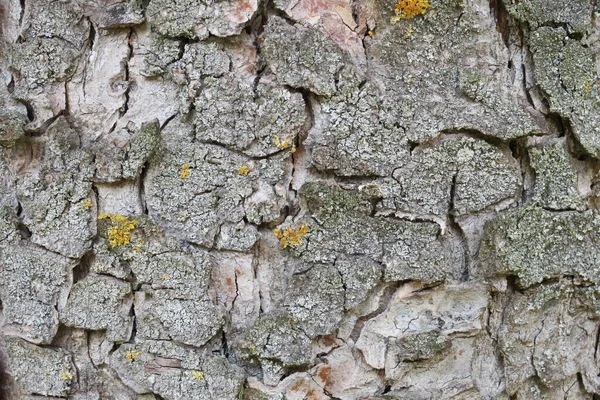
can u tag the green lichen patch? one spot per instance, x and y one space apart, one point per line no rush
126 159
276 337
342 225
421 346
535 244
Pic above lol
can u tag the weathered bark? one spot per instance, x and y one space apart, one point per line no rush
320 199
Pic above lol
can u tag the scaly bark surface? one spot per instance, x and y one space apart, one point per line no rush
299 199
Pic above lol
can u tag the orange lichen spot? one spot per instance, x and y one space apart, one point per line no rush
291 237
185 171
87 204
119 232
66 376
243 170
132 355
324 372
407 9
198 375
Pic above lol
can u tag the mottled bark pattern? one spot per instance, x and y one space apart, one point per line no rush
299 199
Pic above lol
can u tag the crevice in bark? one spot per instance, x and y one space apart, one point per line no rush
91 40
42 129
28 108
457 231
384 301
21 13
142 188
82 270
519 152
127 76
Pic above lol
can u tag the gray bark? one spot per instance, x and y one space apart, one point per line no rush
299 199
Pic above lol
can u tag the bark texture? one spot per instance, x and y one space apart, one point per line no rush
299 199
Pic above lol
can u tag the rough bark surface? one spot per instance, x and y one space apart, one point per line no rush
299 199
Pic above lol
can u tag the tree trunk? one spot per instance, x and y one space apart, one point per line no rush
299 199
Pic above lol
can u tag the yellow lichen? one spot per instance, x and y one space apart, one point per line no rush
284 144
291 237
409 32
371 33
243 170
132 355
588 84
119 232
164 277
65 376
87 204
407 9
185 171
198 375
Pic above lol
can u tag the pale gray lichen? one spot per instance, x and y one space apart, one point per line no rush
435 78
302 57
276 337
45 371
173 18
32 282
256 118
556 183
55 19
575 14
170 370
163 315
100 303
213 192
159 55
58 63
565 69
356 132
54 189
315 300
453 174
